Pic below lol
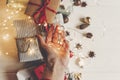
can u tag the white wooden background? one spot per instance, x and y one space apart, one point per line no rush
105 26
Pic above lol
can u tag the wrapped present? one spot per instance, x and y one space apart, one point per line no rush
28 49
27 42
39 71
25 28
25 74
42 10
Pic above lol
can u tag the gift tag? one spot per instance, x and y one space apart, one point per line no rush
28 49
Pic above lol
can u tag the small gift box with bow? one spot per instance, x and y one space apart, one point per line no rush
39 71
42 10
28 49
25 74
27 42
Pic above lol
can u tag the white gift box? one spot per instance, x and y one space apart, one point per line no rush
25 74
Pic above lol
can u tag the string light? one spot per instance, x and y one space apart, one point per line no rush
6 28
31 51
6 53
5 20
31 40
6 37
4 24
29 17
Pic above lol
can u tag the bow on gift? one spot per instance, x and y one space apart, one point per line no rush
40 15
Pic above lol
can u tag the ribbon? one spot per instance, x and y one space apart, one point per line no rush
41 12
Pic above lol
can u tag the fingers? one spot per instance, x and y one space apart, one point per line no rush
65 49
56 35
41 40
66 45
62 37
50 34
59 36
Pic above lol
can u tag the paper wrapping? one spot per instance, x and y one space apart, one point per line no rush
26 40
31 9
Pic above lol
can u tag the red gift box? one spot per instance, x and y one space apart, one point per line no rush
39 71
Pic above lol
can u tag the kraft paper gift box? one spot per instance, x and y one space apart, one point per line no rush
35 5
26 40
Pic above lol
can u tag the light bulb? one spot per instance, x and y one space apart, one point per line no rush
6 27
31 51
31 40
6 53
9 17
6 37
29 17
4 24
5 20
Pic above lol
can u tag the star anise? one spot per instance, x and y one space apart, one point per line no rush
91 54
67 33
78 46
83 4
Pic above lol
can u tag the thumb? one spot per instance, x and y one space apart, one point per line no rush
41 40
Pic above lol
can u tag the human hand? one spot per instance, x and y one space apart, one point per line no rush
55 47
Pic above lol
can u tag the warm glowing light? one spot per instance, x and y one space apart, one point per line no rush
6 53
6 36
9 17
45 24
29 17
31 40
5 20
7 10
39 24
31 51
6 27
61 43
4 24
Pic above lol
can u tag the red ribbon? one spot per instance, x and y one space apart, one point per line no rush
41 12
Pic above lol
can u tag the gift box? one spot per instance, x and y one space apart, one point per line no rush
42 10
28 49
25 74
39 71
26 40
